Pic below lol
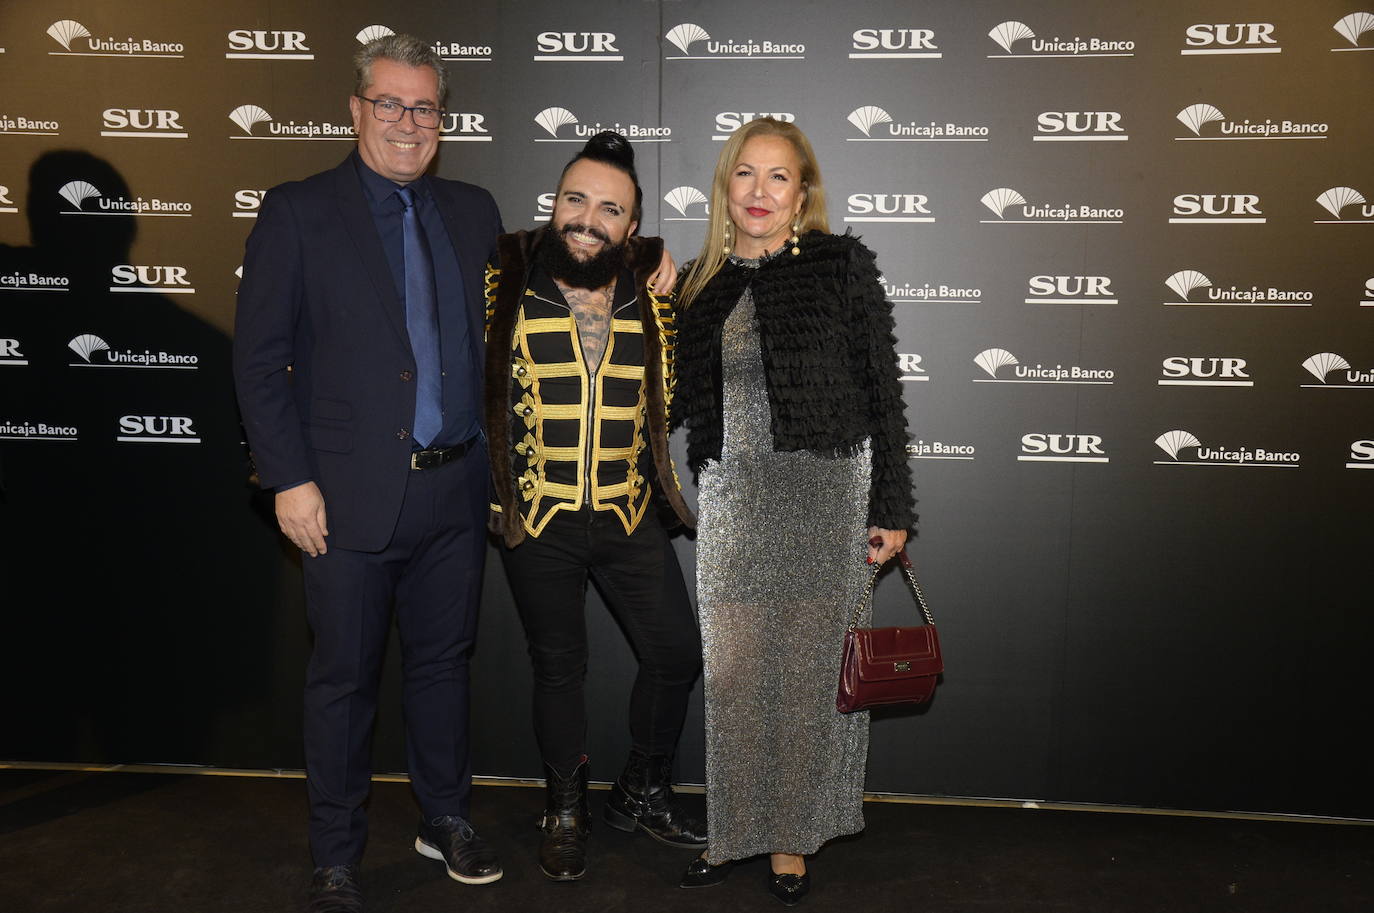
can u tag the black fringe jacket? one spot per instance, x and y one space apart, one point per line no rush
829 363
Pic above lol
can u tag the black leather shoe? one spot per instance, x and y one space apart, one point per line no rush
334 889
452 840
789 888
701 874
566 822
643 798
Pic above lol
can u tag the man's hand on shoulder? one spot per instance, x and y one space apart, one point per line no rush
300 513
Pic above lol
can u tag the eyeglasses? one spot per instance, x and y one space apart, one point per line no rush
392 111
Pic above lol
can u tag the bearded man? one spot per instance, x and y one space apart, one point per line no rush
578 377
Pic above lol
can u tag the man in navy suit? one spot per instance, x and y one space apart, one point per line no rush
357 360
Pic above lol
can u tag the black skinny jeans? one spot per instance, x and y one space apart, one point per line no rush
639 578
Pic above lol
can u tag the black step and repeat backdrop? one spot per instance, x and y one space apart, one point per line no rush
1131 252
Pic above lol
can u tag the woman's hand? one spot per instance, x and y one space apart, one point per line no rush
665 276
884 543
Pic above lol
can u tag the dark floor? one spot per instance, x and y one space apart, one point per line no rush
155 843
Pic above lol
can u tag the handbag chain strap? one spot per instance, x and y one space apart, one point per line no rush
866 598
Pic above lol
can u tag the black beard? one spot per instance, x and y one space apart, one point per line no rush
597 272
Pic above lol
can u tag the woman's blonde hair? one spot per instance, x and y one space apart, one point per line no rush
812 215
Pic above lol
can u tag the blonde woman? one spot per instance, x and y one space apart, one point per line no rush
789 390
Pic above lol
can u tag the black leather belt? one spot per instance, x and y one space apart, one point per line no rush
435 457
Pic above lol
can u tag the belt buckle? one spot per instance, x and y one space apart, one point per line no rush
415 459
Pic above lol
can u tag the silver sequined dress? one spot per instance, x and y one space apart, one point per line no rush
780 557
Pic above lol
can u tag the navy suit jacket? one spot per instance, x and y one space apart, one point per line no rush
322 361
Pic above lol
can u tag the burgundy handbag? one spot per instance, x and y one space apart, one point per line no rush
889 665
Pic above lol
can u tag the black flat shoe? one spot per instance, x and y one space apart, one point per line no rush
789 888
701 874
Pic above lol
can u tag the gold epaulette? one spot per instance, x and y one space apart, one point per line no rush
491 281
665 319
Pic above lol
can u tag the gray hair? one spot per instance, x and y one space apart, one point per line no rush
404 49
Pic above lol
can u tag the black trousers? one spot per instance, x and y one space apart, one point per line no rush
431 572
639 578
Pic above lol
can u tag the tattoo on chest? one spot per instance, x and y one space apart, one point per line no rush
592 310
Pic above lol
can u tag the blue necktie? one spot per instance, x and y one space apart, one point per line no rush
422 322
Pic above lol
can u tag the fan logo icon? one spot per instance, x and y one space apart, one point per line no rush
95 352
878 126
29 126
10 354
1180 444
992 361
894 44
76 193
447 50
685 35
24 430
554 119
1009 34
1196 118
248 117
898 292
34 282
1353 28
1187 281
1336 200
78 41
1323 364
683 199
1004 202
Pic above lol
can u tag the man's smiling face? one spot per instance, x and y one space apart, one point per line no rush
398 151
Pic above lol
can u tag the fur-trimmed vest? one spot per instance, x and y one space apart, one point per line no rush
829 363
562 438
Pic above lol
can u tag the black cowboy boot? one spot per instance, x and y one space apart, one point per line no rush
563 851
643 798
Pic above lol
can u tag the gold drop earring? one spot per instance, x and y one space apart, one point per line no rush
727 239
795 241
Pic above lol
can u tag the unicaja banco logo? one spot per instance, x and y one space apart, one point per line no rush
78 192
994 360
87 345
871 118
248 117
1323 364
683 199
1352 27
554 119
1002 199
66 32
1196 117
1337 199
686 34
1186 281
1008 34
1177 442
